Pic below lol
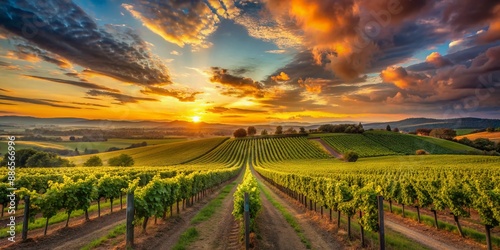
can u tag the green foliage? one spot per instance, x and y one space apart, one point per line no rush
264 132
122 160
239 133
250 186
279 130
443 133
358 143
94 161
251 131
351 156
341 128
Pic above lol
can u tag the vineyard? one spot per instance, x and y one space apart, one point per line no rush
358 143
458 184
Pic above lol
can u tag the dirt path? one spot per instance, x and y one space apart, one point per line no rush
73 237
418 237
328 148
319 239
221 231
76 235
429 236
274 230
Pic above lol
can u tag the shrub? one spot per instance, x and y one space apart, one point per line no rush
122 160
93 161
421 152
239 133
351 156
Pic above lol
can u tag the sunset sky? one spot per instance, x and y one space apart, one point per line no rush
250 61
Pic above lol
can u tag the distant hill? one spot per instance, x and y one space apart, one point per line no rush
411 124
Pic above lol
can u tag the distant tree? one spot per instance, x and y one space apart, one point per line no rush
466 141
388 128
251 131
498 147
395 130
423 131
302 130
77 152
94 161
44 159
351 156
241 132
484 144
263 132
22 156
72 138
279 130
122 160
490 129
290 130
443 133
360 128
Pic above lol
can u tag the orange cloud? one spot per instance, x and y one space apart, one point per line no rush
281 77
437 60
310 85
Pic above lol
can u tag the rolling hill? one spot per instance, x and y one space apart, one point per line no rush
162 154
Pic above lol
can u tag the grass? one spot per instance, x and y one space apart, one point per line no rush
160 155
428 220
191 234
210 209
288 217
101 146
464 131
59 217
494 136
115 232
188 237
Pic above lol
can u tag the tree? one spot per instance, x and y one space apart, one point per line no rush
251 131
484 144
239 133
72 138
423 131
94 161
490 129
302 130
351 156
388 128
395 130
443 133
22 156
122 160
290 131
263 132
279 130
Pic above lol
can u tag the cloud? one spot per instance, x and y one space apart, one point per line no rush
233 85
311 85
232 116
437 60
400 77
64 29
90 104
183 96
31 53
46 102
276 51
178 22
120 98
87 85
4 90
281 77
220 110
175 53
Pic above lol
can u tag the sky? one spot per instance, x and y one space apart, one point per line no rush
250 61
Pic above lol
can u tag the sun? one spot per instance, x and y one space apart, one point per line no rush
196 119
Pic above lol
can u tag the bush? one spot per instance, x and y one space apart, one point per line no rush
421 152
351 156
239 133
122 160
93 161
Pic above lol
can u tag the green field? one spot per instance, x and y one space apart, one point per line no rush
408 144
464 131
359 143
162 154
101 146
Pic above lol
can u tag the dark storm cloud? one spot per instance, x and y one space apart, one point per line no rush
30 53
75 83
63 28
183 96
45 102
465 14
120 98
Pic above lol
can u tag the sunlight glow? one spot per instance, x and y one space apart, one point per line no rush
196 119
